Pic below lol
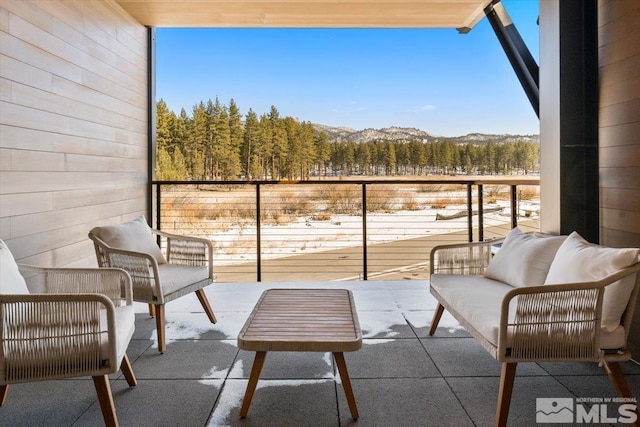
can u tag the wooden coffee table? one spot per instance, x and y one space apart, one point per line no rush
322 320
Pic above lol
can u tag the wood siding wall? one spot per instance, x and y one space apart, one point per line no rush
73 125
619 57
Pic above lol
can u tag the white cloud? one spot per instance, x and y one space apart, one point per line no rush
427 107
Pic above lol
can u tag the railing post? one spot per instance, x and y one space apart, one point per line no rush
158 213
469 213
514 206
364 231
258 237
480 215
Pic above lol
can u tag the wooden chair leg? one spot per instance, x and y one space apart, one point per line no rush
436 319
507 377
3 393
205 304
152 310
160 328
127 371
258 363
103 390
619 382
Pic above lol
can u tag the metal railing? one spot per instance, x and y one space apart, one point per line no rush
341 229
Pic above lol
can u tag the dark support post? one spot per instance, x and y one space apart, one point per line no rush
480 214
258 241
364 232
514 206
579 108
158 211
469 213
517 52
151 121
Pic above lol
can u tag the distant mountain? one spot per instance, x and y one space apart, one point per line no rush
412 134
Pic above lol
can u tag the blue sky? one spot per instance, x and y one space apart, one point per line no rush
432 79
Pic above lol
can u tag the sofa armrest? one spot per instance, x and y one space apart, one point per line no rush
555 322
188 250
462 258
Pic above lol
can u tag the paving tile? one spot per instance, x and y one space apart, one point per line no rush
414 299
47 403
155 403
380 358
401 402
464 357
420 322
384 324
285 365
374 300
187 359
597 386
278 403
479 397
585 368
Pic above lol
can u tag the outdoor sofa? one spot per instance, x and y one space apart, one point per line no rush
540 299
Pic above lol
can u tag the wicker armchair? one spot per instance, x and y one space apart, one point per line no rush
188 266
545 323
79 323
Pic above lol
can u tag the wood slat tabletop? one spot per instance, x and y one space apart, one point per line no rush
302 320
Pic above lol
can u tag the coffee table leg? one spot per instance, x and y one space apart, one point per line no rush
346 383
258 362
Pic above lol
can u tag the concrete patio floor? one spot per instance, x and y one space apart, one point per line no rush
401 377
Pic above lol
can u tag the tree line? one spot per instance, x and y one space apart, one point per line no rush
215 142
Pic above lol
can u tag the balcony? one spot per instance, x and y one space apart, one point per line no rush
401 377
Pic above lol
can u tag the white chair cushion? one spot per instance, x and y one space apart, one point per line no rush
175 277
125 326
478 300
523 259
11 281
131 236
580 261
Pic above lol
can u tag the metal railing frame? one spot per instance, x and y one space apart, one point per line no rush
470 183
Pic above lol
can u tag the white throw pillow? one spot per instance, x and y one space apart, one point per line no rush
580 261
523 259
11 281
131 236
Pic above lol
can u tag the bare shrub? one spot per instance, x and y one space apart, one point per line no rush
497 192
435 188
410 204
528 192
321 216
381 199
343 199
443 202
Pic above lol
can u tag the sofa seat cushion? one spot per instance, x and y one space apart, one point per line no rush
475 298
478 300
176 277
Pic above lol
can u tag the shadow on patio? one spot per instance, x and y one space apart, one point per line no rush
401 377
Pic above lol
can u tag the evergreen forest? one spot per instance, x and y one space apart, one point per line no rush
216 142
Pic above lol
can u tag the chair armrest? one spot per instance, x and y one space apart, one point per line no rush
143 269
462 258
44 333
555 322
115 283
188 250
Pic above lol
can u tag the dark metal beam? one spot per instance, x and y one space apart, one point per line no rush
517 52
151 120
